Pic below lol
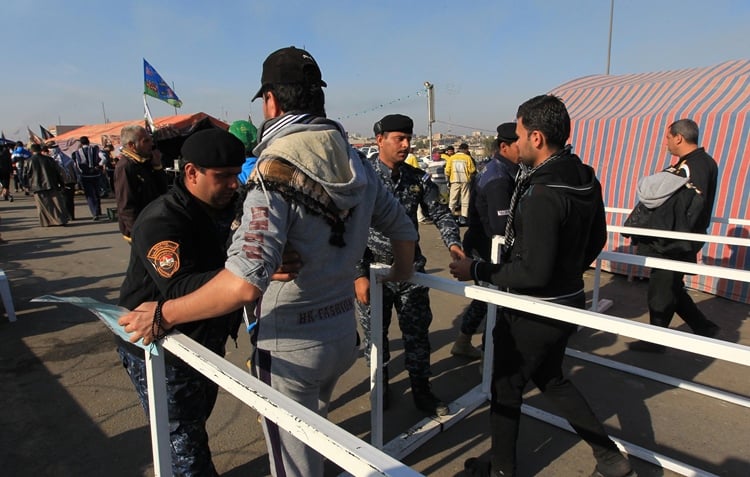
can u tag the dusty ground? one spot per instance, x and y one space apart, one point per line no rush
69 408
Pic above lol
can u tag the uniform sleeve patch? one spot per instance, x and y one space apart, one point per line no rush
165 257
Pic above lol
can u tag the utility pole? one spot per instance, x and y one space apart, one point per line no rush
609 46
104 113
430 112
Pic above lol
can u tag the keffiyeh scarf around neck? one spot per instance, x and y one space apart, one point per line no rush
281 176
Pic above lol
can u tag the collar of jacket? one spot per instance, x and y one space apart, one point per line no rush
134 156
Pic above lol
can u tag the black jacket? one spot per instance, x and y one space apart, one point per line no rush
178 245
488 205
560 228
684 211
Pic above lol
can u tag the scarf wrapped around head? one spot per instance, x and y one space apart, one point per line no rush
281 176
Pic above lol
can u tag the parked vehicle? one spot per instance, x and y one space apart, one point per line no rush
369 151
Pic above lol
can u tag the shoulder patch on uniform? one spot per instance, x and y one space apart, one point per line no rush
165 257
414 188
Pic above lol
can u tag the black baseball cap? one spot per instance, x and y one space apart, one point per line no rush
290 66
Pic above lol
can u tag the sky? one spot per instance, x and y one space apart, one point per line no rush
77 62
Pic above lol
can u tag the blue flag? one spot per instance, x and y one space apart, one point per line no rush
45 133
155 86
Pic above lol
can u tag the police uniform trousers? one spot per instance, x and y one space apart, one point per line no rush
412 304
190 399
308 377
530 347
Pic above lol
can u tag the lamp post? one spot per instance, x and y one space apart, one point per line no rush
609 46
430 113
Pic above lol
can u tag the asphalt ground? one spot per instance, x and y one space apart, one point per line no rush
69 409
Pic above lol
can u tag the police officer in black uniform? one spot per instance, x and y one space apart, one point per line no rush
414 189
179 243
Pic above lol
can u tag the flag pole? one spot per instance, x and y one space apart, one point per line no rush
175 107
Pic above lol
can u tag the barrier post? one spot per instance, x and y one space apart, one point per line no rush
597 283
158 412
376 358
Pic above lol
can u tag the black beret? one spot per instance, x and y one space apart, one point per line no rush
394 122
213 148
506 132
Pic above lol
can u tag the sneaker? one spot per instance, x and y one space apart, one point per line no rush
425 401
646 347
96 218
11 198
613 464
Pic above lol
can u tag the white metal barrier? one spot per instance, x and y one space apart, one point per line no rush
427 428
359 458
424 430
346 450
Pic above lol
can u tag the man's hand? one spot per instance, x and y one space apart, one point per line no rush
461 269
362 290
457 253
291 263
138 322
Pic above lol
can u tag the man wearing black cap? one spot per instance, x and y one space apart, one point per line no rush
459 171
415 190
178 244
310 192
489 207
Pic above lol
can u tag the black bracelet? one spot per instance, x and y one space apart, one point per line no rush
157 332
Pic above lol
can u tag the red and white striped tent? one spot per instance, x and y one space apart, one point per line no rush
618 126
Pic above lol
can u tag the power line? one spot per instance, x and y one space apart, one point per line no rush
421 92
465 127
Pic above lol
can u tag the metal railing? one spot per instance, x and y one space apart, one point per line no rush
359 458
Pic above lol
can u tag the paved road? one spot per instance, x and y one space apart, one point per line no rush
69 408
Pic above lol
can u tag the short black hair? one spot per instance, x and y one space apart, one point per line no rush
84 140
687 128
35 148
300 98
546 113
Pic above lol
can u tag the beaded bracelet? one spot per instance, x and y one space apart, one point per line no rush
157 332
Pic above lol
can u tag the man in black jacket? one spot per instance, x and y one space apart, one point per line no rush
555 229
666 288
139 176
179 243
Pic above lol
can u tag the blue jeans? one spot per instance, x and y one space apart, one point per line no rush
191 398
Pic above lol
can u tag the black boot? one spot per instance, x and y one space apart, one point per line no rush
425 400
475 467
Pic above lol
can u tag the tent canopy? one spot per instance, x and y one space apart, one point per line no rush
109 133
618 126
